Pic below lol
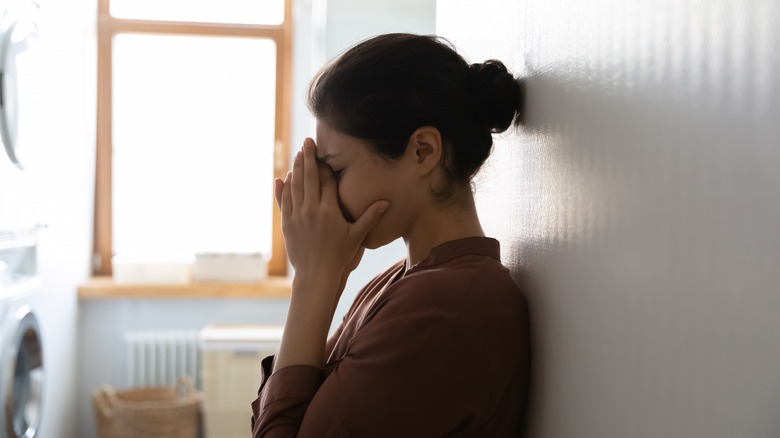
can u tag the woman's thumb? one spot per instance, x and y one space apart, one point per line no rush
369 218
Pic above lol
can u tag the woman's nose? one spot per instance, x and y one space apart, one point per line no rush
326 174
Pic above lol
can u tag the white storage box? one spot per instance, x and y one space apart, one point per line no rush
151 272
231 267
230 374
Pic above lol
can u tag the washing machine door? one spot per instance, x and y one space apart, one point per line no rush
18 31
21 388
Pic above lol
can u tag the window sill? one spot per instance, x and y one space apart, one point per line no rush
104 287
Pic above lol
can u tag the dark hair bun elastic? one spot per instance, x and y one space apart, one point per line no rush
496 94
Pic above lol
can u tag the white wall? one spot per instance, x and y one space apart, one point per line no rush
639 209
350 21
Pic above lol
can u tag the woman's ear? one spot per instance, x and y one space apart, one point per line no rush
426 147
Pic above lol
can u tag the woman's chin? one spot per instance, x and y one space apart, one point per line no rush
375 241
371 244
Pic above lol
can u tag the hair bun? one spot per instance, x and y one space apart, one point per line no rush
497 96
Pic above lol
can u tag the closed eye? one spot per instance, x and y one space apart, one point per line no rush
336 173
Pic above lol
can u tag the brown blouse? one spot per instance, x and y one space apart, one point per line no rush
439 350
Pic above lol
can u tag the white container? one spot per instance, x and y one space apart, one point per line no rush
230 267
128 271
230 374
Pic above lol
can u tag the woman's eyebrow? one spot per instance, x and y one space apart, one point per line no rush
327 157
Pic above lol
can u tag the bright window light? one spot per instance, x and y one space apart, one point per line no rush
193 135
212 11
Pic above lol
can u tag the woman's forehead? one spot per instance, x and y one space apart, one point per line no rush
322 138
332 143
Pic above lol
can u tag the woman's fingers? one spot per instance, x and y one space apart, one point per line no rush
305 176
368 219
326 175
297 179
286 196
311 174
312 217
278 186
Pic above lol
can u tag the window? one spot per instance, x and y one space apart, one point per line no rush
193 122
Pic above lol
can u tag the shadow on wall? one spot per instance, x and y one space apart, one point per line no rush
654 204
646 168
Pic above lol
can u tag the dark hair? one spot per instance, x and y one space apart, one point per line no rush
386 87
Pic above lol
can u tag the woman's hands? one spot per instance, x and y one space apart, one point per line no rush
319 241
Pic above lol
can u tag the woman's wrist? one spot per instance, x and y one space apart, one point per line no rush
322 283
308 320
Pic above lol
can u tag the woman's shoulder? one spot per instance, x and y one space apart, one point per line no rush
467 283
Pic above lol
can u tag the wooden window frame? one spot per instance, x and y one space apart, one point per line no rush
107 28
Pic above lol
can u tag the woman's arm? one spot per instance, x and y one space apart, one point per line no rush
308 320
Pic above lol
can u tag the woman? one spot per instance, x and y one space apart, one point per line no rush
437 345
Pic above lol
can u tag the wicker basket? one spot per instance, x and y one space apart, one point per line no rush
151 412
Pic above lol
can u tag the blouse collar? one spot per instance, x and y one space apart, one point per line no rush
453 249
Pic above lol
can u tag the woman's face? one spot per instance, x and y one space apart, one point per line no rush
365 177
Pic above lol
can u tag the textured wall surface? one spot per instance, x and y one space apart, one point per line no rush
639 208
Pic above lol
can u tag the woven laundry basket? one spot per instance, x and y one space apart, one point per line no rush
148 412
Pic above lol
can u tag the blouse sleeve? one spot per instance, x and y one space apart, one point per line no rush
402 368
283 399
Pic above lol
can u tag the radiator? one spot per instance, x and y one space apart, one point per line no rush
156 357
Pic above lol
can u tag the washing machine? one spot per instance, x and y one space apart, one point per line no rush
40 269
21 349
21 353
